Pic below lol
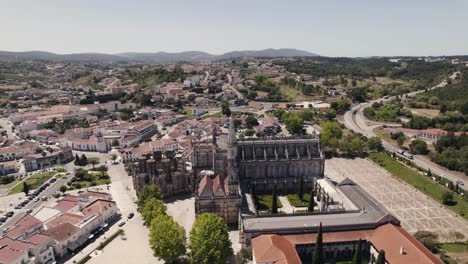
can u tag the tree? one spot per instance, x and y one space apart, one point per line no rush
330 130
113 157
209 240
381 258
167 239
225 110
77 159
149 191
94 162
418 147
251 121
330 114
429 239
83 160
301 188
294 124
151 209
63 188
274 202
429 173
357 259
249 132
447 198
311 205
374 144
401 140
244 256
318 257
25 188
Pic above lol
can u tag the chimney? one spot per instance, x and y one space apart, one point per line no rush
402 250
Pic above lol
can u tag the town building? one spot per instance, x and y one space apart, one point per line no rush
52 233
46 159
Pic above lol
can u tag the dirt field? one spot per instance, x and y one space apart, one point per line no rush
425 112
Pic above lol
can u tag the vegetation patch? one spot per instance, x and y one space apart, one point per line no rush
264 202
454 247
33 182
295 201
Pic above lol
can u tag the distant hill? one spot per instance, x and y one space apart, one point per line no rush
158 57
268 53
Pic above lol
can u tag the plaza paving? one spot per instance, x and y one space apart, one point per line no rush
182 209
135 249
415 210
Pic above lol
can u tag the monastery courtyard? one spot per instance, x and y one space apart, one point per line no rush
415 210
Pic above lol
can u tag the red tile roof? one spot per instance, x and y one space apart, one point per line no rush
98 207
274 249
38 239
388 237
11 250
65 206
65 218
62 232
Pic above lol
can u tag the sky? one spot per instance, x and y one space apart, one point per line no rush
350 28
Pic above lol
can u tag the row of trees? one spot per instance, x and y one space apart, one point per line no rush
209 238
353 145
452 152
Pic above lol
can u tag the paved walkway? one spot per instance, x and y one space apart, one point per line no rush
414 209
287 207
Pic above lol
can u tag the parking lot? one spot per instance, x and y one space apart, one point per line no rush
414 209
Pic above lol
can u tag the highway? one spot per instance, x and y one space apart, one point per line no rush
355 120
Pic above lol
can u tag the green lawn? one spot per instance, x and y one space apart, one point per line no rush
33 181
419 182
264 202
9 185
454 247
296 202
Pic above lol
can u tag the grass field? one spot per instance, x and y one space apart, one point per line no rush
454 247
296 202
9 185
264 202
33 181
420 182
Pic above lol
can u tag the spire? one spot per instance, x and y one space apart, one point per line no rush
232 133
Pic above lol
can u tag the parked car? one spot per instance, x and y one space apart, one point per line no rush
10 214
3 219
36 199
29 211
19 206
130 215
121 224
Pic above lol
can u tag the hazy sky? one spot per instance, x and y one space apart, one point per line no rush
329 27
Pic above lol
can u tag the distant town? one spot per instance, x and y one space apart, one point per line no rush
249 157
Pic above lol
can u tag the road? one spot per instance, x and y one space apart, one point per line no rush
48 192
355 120
7 125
